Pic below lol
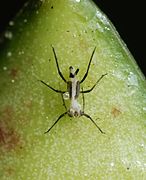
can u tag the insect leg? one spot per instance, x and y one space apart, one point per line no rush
86 115
89 90
58 91
56 122
59 72
84 77
83 100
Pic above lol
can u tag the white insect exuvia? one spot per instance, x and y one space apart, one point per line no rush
73 92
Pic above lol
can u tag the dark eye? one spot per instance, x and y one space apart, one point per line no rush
70 68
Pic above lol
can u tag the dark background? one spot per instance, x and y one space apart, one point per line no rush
129 20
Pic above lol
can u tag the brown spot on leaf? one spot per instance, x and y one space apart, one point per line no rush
7 113
115 112
14 73
2 138
9 138
9 171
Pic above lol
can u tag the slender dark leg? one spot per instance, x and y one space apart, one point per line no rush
58 91
88 66
59 72
56 122
89 90
86 115
83 100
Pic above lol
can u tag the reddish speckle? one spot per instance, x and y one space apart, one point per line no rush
2 138
7 113
115 112
9 171
13 73
9 139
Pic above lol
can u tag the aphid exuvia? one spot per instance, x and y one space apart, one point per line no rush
73 92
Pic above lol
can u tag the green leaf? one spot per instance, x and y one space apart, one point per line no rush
74 148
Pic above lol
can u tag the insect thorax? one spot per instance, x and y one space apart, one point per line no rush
73 89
